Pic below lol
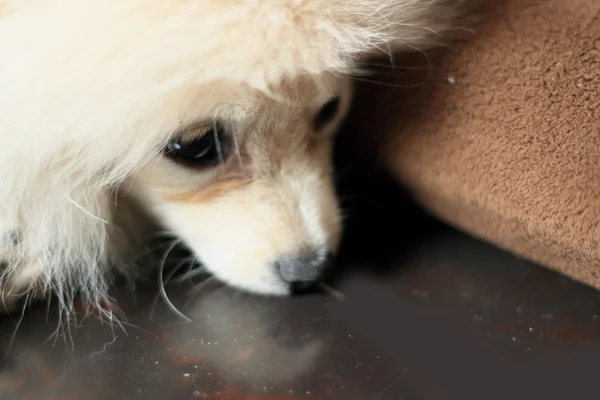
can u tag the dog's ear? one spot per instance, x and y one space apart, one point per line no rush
312 36
363 27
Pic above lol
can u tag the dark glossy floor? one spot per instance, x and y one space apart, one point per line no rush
428 313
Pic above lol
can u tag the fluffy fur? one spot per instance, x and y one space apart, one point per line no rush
90 92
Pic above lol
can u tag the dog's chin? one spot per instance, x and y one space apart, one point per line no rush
238 276
265 286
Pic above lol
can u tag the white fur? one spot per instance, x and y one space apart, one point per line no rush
91 90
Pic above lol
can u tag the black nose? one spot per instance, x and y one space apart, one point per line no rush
303 270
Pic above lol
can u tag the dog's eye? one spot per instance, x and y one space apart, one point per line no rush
327 113
201 151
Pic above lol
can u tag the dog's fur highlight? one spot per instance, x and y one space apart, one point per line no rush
91 91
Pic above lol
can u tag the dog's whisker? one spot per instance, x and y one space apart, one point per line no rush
198 288
160 271
148 251
162 291
193 273
337 295
429 70
391 85
181 264
396 68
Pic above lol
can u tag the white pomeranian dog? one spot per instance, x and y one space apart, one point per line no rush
214 117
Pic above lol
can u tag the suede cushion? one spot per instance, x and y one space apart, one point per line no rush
499 135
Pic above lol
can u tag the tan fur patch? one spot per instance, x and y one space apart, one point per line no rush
210 193
303 88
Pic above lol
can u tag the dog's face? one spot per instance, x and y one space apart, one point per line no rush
248 185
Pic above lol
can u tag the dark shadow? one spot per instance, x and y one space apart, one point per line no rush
382 222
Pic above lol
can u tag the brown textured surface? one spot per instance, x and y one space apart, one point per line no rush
504 138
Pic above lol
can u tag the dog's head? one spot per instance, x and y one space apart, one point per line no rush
248 182
217 115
